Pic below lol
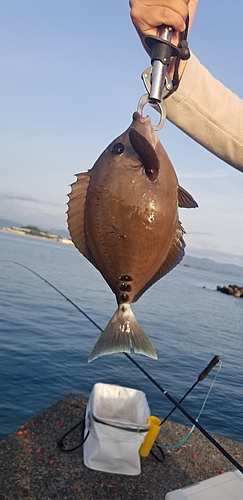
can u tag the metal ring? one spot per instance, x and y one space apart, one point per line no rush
159 106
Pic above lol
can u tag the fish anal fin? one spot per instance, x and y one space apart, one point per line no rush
173 258
121 334
185 199
76 212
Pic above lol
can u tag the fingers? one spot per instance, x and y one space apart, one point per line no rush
148 15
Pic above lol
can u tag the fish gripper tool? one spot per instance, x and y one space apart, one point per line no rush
155 78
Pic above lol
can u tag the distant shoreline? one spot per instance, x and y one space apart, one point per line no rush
43 235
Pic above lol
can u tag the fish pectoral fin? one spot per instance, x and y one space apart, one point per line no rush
121 334
173 258
76 211
185 199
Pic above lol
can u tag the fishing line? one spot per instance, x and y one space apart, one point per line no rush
201 376
174 447
199 427
164 392
55 288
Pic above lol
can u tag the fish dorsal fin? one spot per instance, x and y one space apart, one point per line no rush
185 199
173 258
146 153
76 211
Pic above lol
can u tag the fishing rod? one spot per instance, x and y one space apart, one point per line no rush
55 288
187 415
202 376
164 392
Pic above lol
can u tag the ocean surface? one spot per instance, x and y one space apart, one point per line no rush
45 341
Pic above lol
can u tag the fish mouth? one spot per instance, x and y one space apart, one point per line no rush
142 119
144 126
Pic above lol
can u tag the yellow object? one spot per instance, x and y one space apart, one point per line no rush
154 428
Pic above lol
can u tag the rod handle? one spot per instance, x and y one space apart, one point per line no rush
208 368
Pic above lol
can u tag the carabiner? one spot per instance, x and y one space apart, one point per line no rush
146 99
158 106
156 79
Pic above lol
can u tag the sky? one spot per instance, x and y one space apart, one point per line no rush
70 82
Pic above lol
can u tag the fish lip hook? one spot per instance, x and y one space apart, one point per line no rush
159 106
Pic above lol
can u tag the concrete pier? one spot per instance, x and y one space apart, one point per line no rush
34 468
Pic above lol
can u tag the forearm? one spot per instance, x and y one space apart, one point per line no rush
209 113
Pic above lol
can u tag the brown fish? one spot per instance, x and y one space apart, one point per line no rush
123 217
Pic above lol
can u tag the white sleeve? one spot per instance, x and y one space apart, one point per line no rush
209 113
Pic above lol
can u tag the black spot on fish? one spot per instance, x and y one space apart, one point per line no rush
125 277
118 148
124 297
125 287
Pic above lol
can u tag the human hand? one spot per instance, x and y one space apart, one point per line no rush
148 15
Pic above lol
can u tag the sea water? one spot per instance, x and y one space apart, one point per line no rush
45 341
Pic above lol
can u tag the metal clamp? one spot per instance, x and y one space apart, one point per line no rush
156 79
146 99
159 106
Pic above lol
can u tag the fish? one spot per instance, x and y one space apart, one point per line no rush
123 217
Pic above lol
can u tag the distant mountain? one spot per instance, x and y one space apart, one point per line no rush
8 223
64 233
206 264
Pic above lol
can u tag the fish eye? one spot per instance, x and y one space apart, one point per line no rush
118 148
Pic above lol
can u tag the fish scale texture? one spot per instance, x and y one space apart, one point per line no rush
123 217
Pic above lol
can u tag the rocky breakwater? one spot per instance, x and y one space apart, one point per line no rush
235 290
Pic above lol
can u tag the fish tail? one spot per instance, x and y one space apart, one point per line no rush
121 334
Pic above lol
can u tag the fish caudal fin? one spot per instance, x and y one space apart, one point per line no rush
121 334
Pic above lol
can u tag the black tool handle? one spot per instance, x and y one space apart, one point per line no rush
208 368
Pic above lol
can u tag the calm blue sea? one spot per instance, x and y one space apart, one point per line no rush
45 342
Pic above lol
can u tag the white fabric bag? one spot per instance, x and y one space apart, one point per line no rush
117 421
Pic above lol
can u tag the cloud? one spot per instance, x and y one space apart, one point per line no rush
14 198
33 211
198 233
